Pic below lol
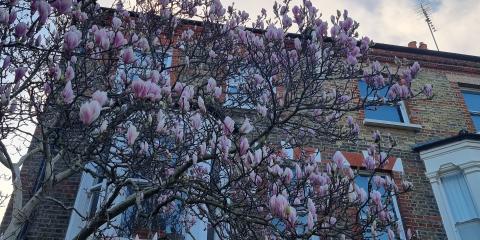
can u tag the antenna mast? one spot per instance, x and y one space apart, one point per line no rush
424 10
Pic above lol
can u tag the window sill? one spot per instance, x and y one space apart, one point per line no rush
389 124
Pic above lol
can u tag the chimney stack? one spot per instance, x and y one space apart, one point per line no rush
412 44
423 45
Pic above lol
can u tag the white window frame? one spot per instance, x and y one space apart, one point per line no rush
87 185
443 203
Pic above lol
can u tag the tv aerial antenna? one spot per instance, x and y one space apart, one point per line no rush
424 10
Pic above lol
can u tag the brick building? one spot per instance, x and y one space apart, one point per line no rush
425 130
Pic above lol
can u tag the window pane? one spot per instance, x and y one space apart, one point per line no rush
362 182
364 90
476 122
472 100
95 197
459 198
385 112
469 230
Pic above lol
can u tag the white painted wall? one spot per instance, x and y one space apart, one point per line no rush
462 156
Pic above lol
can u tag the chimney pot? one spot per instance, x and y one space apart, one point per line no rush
412 44
423 45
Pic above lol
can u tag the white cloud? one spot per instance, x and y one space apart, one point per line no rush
397 22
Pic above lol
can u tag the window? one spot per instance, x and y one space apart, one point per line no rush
236 93
390 112
393 210
464 214
135 220
472 100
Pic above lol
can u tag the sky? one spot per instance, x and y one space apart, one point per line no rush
397 21
387 21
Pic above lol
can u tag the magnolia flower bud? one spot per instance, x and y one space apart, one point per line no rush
132 135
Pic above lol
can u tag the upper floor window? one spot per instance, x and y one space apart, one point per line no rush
390 112
463 211
236 95
472 100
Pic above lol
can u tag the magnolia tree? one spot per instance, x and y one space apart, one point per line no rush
188 112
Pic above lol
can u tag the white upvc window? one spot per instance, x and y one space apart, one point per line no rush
388 112
461 209
87 202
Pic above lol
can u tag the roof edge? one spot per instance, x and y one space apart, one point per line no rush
381 46
436 143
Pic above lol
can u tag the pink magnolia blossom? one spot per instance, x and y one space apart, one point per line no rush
228 125
244 146
119 40
298 44
12 17
212 54
67 93
428 90
21 30
143 44
258 155
128 56
391 234
278 205
55 72
146 90
47 88
298 171
376 197
292 215
288 175
116 23
161 122
154 76
218 92
89 112
144 147
255 178
20 73
69 73
184 104
6 62
369 162
211 85
132 135
262 110
225 144
201 105
203 149
62 6
246 126
339 159
44 10
101 39
258 79
196 121
101 97
103 126
72 38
